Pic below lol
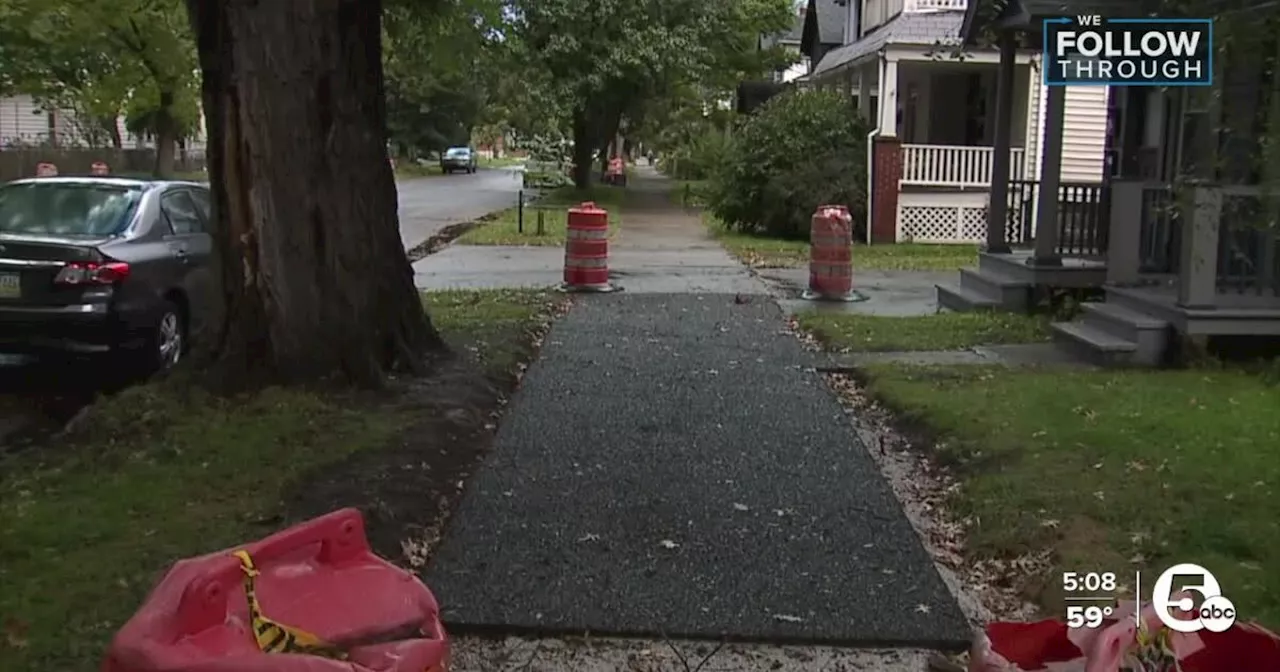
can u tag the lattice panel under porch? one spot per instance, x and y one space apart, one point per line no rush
942 224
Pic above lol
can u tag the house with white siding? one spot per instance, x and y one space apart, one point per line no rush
25 123
790 42
932 104
1182 236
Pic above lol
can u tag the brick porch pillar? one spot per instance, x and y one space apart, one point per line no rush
886 160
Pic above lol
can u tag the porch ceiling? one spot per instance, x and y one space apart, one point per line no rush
935 28
1028 15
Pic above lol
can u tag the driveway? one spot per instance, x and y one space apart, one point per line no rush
429 204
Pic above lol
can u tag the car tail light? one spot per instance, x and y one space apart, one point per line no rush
92 273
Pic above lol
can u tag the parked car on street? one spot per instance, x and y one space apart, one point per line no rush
102 266
458 158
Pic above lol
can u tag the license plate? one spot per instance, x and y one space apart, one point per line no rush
10 285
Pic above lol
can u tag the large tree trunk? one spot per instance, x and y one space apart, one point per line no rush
583 150
166 134
316 283
110 125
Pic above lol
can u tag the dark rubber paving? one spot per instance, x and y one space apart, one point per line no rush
670 467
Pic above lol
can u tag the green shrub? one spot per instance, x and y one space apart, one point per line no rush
699 158
800 150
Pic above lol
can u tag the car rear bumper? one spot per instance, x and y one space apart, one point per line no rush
78 329
455 165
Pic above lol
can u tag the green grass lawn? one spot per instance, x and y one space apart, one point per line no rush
1112 471
501 162
164 472
764 252
944 331
504 229
406 169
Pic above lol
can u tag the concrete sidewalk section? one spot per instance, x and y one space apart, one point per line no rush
660 250
673 466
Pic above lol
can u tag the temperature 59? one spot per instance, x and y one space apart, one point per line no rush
1086 617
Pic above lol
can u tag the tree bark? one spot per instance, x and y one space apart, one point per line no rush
315 281
583 150
166 135
113 131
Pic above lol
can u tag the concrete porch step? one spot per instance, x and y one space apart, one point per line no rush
1011 293
964 300
1092 344
1122 321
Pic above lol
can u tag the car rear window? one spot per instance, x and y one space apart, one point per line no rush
457 151
63 209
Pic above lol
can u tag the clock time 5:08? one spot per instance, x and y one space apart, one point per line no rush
1091 582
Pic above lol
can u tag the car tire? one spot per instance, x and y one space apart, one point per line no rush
165 344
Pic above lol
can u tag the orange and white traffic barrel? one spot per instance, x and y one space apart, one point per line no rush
46 170
586 250
831 255
99 168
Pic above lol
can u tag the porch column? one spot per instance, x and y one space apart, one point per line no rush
1124 241
998 203
1046 247
886 161
864 92
889 100
1198 267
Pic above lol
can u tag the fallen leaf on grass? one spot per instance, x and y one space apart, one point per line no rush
741 507
668 544
15 633
787 618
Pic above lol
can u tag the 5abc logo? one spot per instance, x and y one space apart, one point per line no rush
1215 614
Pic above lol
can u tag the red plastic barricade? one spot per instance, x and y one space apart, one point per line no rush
617 172
100 168
1051 645
46 170
319 578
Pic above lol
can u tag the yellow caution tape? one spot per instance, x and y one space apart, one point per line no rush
273 637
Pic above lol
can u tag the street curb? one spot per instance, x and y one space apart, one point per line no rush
446 236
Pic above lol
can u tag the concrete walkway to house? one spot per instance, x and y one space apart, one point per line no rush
672 466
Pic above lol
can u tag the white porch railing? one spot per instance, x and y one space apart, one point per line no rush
954 165
936 5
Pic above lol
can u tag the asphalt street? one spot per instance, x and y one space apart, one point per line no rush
429 204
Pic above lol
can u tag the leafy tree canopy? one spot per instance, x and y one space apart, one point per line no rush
603 61
104 59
